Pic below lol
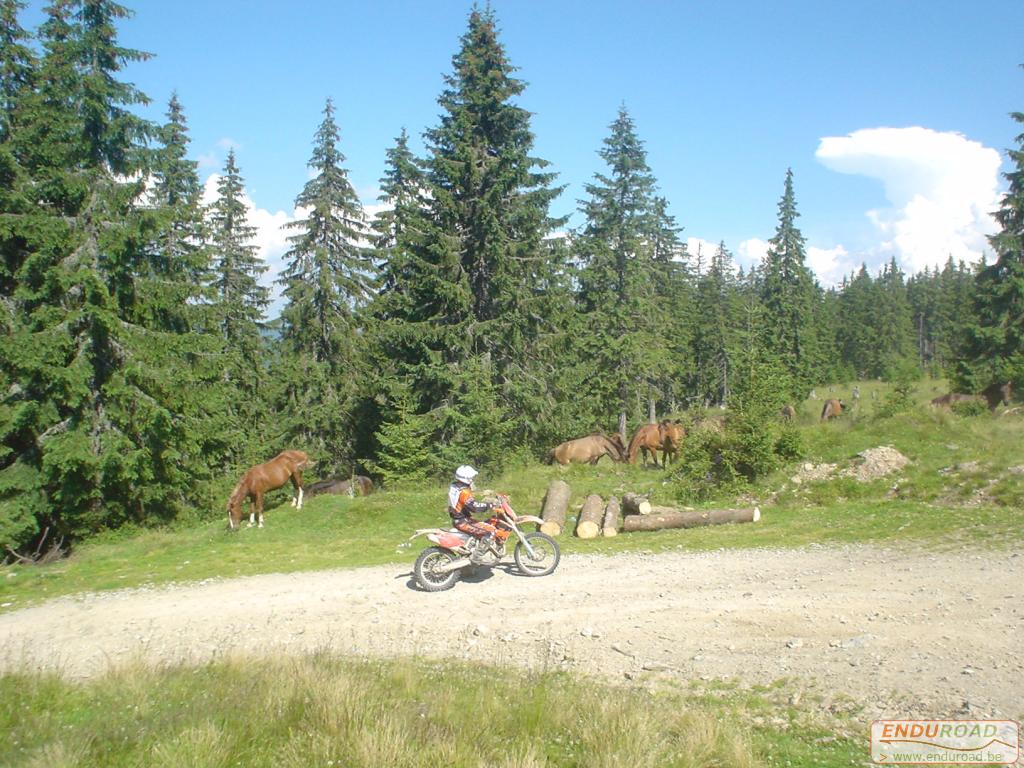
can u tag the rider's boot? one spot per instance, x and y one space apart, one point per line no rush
483 546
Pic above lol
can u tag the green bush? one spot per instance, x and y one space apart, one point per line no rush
900 399
970 408
790 444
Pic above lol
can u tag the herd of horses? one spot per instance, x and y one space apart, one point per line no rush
665 436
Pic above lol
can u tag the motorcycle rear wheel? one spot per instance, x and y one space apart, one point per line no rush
426 573
546 555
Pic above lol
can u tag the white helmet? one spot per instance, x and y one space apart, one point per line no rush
465 474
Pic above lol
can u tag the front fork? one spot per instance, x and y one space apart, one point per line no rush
524 541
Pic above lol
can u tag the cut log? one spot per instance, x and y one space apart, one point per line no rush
634 504
556 502
659 510
589 524
610 523
690 519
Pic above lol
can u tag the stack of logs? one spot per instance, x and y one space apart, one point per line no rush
634 513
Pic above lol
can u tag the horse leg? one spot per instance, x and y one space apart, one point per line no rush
259 509
297 482
252 510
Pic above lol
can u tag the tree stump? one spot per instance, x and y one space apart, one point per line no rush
690 519
589 524
610 522
556 502
634 504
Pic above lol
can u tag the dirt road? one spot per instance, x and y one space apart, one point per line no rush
904 633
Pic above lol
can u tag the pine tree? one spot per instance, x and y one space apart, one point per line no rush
17 63
619 274
236 313
715 334
89 437
894 332
179 266
996 343
469 283
404 451
789 294
329 276
240 299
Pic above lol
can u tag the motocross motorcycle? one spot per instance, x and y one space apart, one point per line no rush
439 567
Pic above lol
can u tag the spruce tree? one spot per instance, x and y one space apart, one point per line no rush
328 278
995 351
17 63
329 273
894 336
478 267
179 266
240 300
90 437
237 312
715 337
789 294
404 451
619 274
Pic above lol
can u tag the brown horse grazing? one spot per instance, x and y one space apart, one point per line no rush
646 440
587 449
287 465
998 394
951 398
672 434
359 485
788 413
831 410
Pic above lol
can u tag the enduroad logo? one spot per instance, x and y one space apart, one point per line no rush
944 742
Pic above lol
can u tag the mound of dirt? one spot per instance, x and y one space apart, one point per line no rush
876 463
811 472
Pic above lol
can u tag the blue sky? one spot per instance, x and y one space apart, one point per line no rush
894 116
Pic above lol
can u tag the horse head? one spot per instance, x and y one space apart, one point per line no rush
234 507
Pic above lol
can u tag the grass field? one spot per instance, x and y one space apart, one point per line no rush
323 711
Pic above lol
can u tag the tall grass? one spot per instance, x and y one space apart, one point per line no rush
320 710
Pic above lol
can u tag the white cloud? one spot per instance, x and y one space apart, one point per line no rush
208 160
751 253
704 249
829 265
941 188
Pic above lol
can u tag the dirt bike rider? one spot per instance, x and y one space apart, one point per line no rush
462 506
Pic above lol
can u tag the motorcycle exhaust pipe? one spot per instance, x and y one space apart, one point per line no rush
454 565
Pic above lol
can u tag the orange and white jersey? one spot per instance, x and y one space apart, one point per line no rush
458 496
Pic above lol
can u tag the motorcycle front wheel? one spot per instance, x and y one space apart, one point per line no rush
426 570
544 559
